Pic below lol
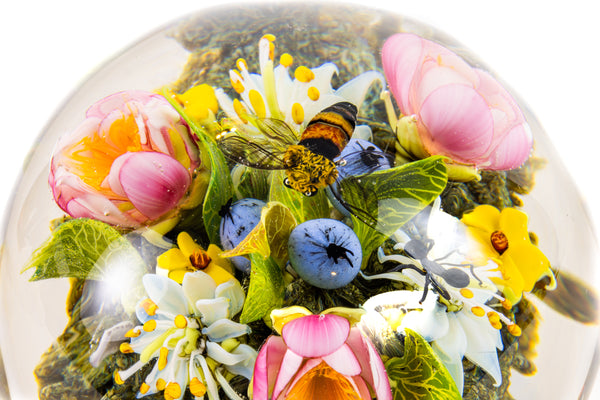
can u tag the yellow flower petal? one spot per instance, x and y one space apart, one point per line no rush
177 275
531 263
213 252
484 217
173 259
511 282
513 223
186 244
219 275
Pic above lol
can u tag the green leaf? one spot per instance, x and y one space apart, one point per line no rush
383 201
419 373
81 248
250 182
303 208
220 186
266 289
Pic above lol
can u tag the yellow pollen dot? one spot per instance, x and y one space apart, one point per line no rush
496 325
240 110
133 333
286 60
118 379
493 317
297 113
514 330
173 390
238 86
125 348
269 36
161 384
149 306
162 358
304 74
466 293
478 311
507 304
241 64
439 59
313 93
144 388
271 51
258 104
197 388
180 321
150 325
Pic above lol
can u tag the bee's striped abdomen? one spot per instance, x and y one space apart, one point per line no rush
330 130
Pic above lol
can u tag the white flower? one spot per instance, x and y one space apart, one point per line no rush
274 94
188 329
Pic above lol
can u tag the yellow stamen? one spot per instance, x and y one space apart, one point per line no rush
258 104
271 51
507 304
118 379
240 110
304 74
313 93
496 325
125 348
149 306
162 358
172 391
297 113
144 388
197 388
478 311
514 330
180 321
161 384
286 60
466 293
269 36
241 64
133 333
150 325
493 317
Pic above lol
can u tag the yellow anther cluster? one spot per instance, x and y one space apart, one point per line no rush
506 304
117 378
161 384
197 388
240 110
144 387
286 60
133 333
304 74
514 330
241 64
162 358
494 319
313 93
478 311
149 306
125 348
269 36
297 113
172 391
466 293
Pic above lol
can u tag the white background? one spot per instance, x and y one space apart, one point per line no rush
548 51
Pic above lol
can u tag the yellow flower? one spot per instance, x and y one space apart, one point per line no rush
503 236
190 257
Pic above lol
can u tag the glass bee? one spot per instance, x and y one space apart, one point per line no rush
308 161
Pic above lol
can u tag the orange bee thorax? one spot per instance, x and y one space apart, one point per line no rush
330 130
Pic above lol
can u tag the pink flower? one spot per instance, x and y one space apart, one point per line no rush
129 163
319 356
462 112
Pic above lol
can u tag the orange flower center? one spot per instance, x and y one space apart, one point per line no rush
200 259
499 241
93 156
320 380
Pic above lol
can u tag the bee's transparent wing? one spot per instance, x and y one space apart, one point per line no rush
255 152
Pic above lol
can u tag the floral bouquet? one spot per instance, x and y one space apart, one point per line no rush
295 230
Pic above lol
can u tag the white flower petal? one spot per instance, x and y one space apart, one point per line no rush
107 344
225 329
232 290
431 322
222 356
245 367
356 89
212 310
451 350
166 293
198 285
211 386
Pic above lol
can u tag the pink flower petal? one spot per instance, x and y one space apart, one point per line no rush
401 56
153 182
513 150
316 335
343 361
373 370
458 121
118 101
288 368
267 367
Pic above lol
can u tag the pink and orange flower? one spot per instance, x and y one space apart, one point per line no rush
131 162
318 354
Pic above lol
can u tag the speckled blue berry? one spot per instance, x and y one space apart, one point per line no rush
360 157
325 253
237 220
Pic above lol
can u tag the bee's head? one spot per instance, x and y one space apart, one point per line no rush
308 172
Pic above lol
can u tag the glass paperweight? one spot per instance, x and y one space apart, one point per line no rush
323 202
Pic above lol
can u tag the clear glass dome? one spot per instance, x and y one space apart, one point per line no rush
555 352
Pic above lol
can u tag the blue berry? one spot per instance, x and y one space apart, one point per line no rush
325 253
237 220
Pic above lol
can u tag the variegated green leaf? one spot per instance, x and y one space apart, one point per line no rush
266 289
419 374
303 208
